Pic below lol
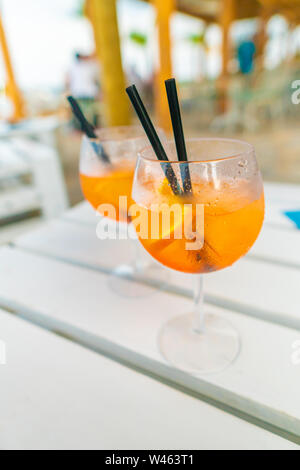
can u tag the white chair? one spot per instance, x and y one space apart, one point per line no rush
31 176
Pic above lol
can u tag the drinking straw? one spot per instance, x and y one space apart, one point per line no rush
153 138
88 129
178 133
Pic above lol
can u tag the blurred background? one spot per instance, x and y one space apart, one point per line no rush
237 63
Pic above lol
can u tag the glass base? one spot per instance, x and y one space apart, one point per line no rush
199 353
127 281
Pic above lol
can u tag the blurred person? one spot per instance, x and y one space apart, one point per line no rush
246 54
144 85
83 82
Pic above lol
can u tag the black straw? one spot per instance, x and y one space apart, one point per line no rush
178 133
86 126
153 138
88 129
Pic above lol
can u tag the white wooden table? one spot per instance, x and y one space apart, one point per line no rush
90 374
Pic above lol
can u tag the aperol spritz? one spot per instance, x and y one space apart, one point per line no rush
107 166
226 185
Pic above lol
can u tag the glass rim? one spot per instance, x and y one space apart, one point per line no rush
116 128
249 148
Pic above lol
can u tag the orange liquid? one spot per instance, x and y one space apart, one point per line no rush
107 189
233 218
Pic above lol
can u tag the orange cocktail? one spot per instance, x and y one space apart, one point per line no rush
107 168
198 216
115 181
233 215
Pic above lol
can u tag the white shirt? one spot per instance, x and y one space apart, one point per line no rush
83 79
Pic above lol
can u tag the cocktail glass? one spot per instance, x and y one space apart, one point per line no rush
106 175
209 229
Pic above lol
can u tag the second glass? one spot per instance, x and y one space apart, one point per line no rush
106 173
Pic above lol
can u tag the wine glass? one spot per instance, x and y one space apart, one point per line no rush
106 174
216 222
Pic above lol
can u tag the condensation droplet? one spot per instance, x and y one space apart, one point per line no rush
243 163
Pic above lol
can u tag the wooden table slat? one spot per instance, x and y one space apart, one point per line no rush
263 382
276 296
58 395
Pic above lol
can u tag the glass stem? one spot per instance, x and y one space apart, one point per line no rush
198 323
137 262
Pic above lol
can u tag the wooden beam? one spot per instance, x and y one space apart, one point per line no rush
164 11
12 89
227 16
103 16
208 10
